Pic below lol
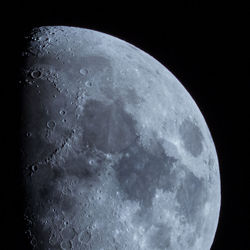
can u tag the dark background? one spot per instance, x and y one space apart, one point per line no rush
204 45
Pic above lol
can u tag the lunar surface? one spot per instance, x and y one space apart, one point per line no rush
115 152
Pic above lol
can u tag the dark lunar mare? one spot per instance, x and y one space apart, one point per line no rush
142 172
107 126
192 137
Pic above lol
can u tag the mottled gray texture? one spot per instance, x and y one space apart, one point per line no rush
116 154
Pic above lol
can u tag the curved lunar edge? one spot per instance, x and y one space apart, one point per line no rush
115 152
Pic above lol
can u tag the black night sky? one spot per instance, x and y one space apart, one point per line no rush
205 46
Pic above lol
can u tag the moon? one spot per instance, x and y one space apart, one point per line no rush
115 152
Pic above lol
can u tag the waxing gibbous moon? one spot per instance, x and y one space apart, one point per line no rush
115 152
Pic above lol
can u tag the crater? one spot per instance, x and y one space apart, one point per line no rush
36 74
192 137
